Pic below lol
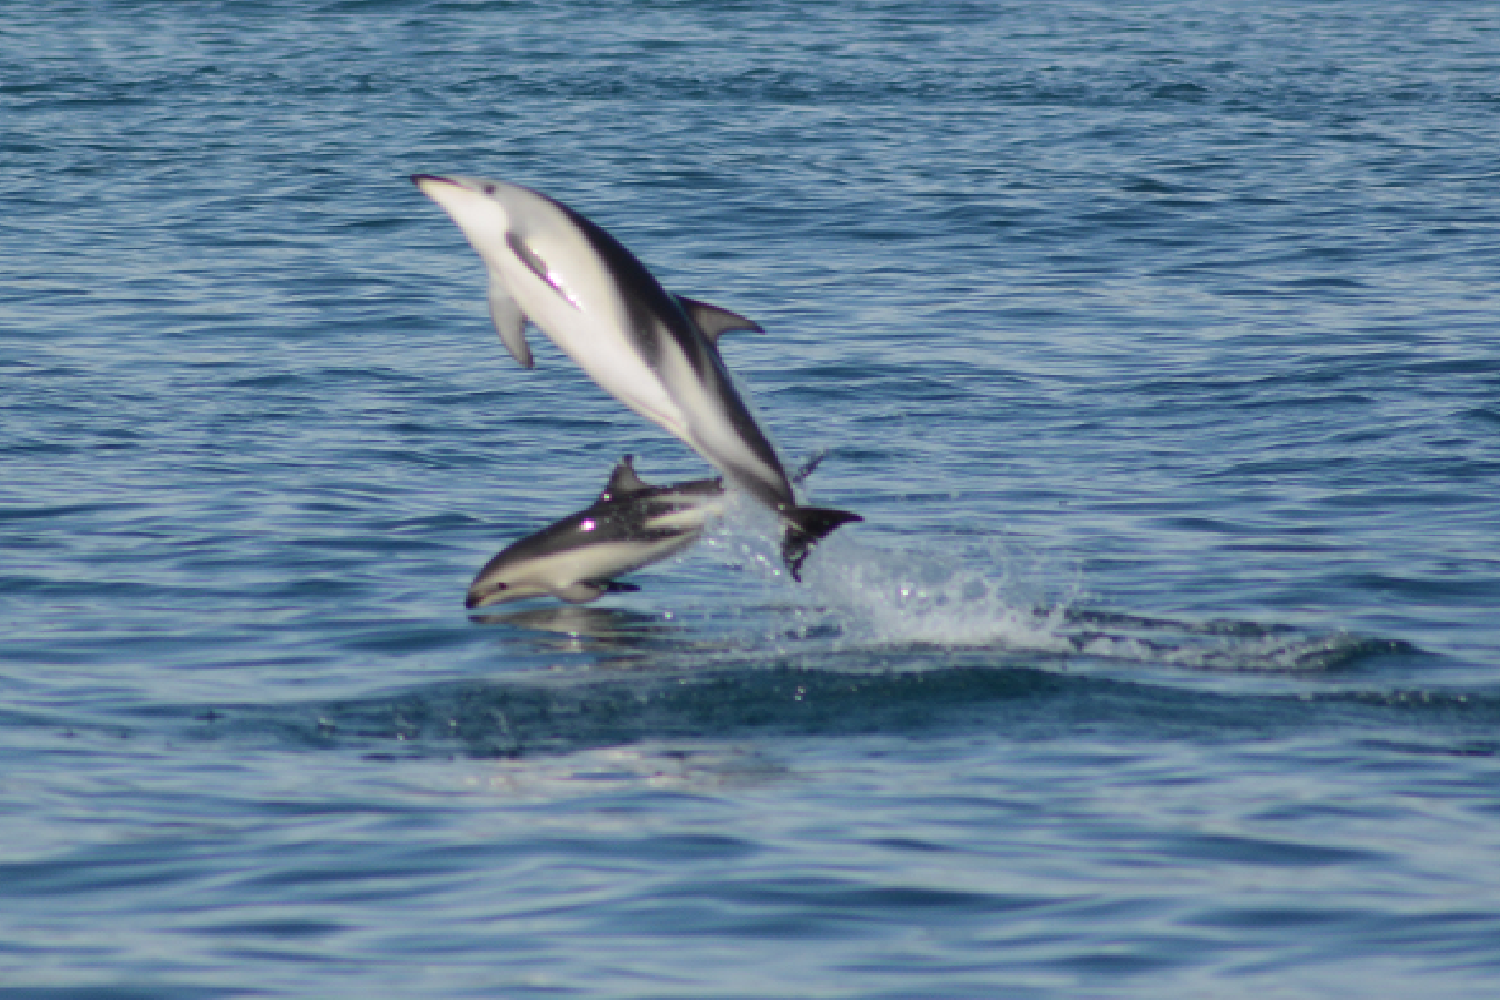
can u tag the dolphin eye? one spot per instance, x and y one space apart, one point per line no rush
489 189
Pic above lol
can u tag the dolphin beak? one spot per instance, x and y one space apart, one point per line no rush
422 181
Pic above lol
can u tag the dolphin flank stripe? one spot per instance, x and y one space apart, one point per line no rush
644 298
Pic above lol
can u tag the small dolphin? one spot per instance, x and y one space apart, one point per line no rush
654 351
632 524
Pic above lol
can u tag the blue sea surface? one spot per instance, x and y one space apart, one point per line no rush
1157 343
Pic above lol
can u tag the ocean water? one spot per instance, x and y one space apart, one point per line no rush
1158 343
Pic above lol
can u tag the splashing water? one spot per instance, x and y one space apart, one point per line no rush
862 595
1002 597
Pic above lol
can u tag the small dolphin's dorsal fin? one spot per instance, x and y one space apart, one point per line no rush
623 481
510 322
713 321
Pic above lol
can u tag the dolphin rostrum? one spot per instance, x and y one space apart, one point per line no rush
632 524
654 351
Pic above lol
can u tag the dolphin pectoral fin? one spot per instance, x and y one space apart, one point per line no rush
805 526
713 321
579 593
623 481
586 592
510 323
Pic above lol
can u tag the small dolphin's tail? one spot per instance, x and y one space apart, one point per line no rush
805 526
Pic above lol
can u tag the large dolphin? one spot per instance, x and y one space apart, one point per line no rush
654 351
632 524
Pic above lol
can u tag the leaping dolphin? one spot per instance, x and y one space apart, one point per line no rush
632 524
654 351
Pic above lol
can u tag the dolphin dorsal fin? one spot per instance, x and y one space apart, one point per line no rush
510 322
623 481
713 321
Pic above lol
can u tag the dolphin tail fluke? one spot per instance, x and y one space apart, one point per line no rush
805 527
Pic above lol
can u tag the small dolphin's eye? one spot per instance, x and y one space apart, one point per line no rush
489 189
502 586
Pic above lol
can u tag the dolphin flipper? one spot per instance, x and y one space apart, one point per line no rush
588 591
510 322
